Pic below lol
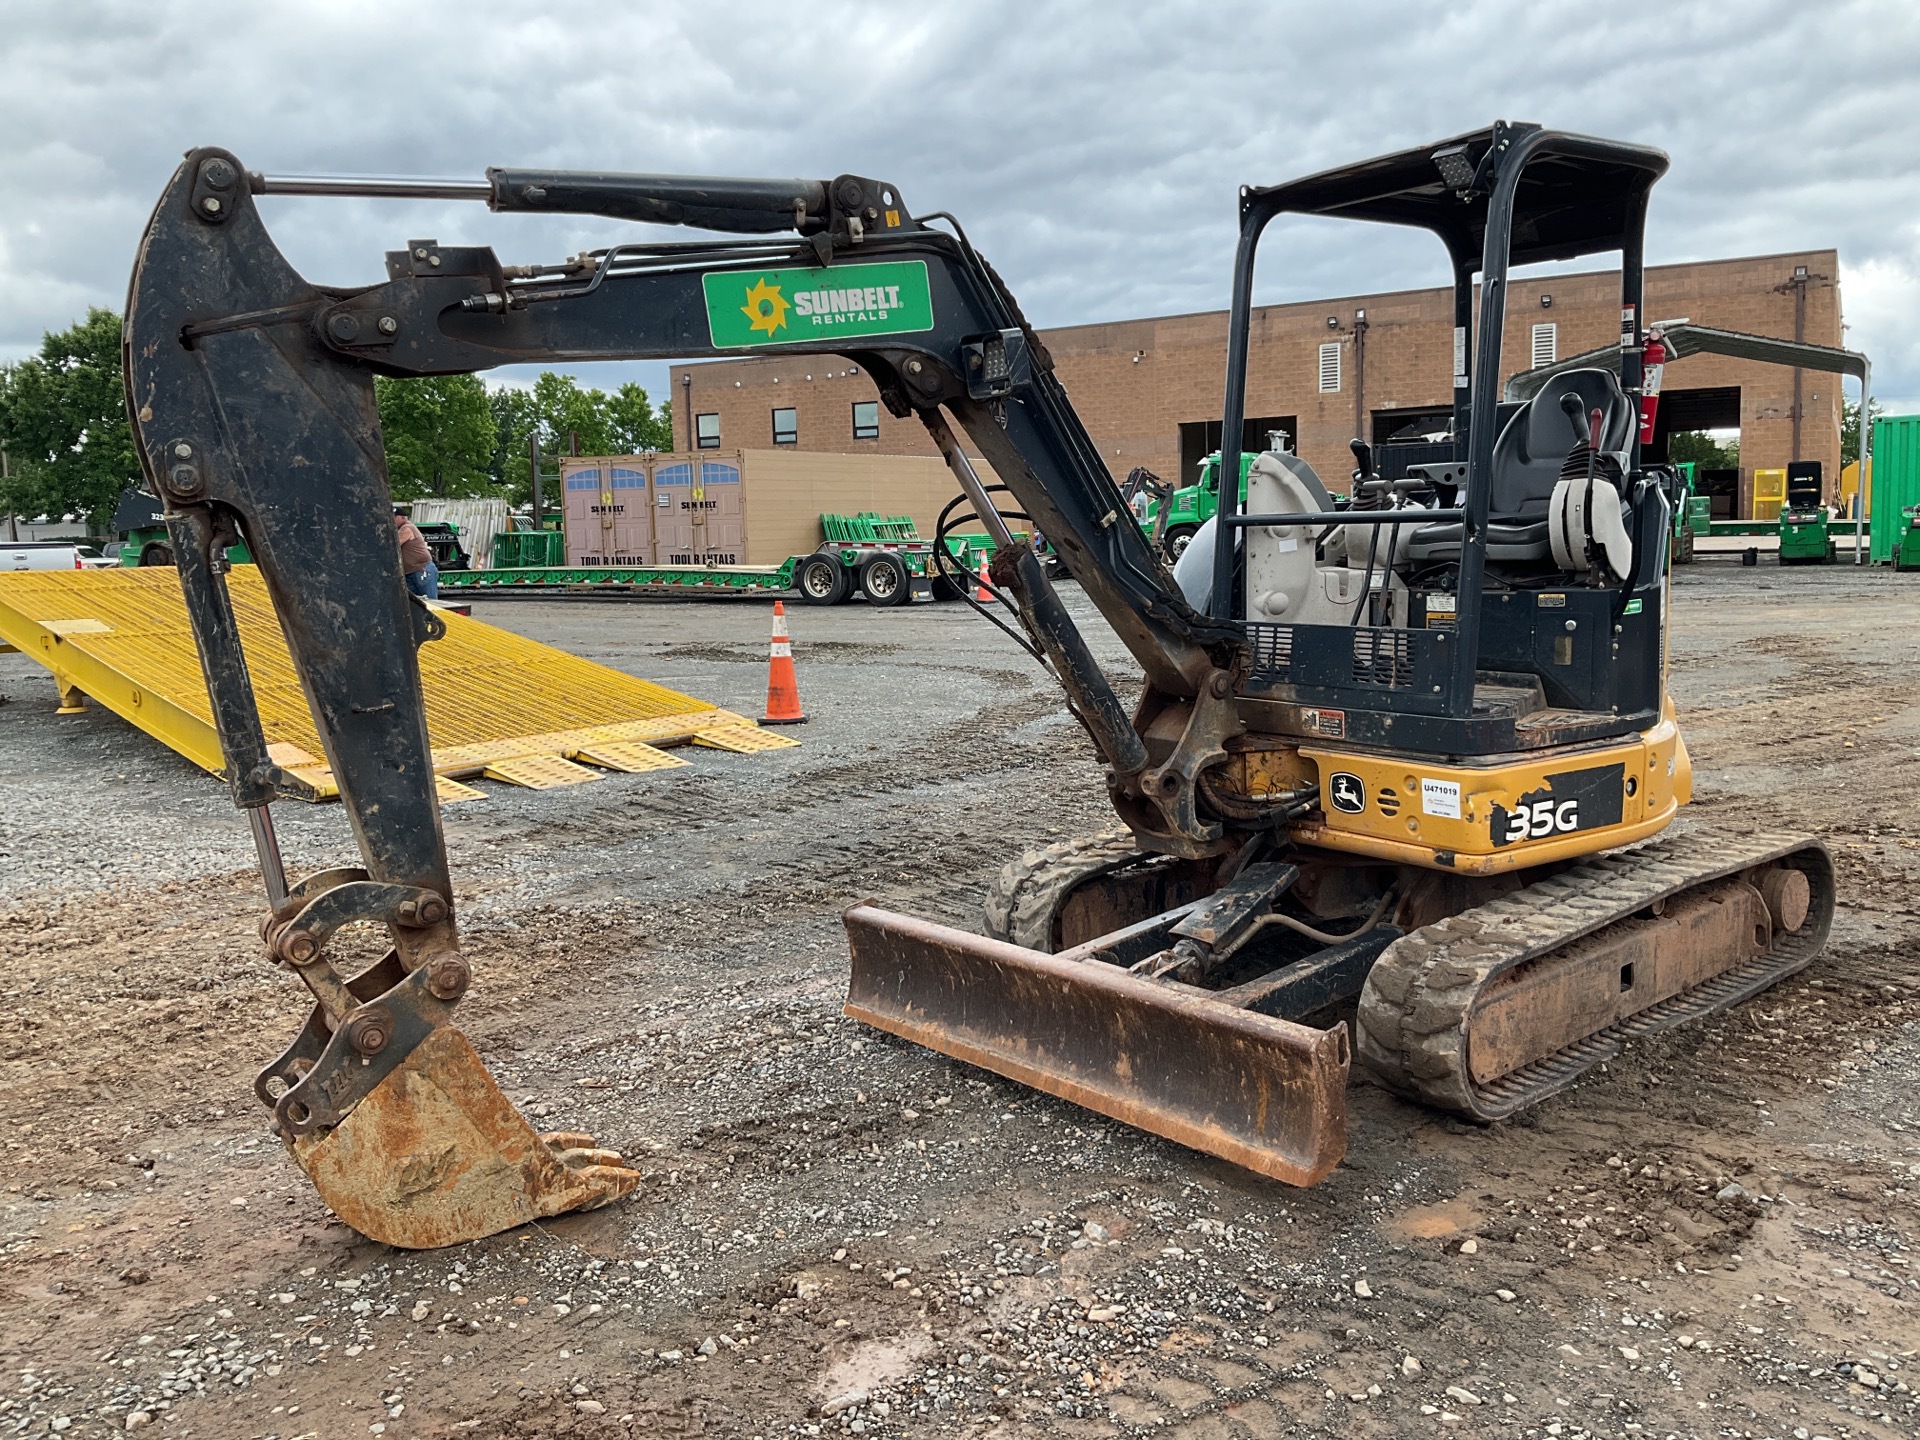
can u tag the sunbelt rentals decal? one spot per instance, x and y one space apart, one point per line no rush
778 307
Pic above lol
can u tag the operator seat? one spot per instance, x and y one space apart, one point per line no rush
1527 460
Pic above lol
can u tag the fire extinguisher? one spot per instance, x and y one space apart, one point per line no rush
1653 359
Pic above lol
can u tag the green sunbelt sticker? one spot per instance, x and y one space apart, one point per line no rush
777 307
1633 608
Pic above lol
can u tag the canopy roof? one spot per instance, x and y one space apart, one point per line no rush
1577 195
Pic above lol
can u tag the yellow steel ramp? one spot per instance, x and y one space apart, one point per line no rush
497 703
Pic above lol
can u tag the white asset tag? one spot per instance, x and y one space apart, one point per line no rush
1440 797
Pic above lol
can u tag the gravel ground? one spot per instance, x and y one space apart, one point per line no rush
841 1234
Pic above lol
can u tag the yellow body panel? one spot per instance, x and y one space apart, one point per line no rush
1509 813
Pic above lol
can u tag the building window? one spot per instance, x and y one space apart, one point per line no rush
786 426
1546 343
706 431
1330 367
866 419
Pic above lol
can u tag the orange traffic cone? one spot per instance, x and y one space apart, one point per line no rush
783 687
981 592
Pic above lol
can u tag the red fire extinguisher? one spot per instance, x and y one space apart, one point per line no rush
1653 359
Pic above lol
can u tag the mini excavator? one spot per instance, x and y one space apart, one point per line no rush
1397 763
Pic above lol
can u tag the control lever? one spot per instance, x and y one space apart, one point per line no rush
1575 410
1362 459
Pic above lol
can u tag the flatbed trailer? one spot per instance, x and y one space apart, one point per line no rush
880 558
630 579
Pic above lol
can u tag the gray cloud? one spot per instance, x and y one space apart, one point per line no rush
1092 153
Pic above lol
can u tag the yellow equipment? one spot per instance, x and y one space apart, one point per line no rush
1382 747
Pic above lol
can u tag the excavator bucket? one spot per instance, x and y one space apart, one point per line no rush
1266 1094
436 1155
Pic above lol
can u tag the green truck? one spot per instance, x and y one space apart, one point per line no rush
1171 516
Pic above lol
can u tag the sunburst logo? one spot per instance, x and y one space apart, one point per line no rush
766 308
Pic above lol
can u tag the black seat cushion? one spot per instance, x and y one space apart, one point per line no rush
1528 456
1527 461
1506 540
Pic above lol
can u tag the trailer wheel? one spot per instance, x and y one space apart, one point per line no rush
821 580
157 554
883 580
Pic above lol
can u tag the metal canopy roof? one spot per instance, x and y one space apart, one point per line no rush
1577 195
1684 338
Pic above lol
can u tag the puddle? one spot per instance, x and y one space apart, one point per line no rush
872 1364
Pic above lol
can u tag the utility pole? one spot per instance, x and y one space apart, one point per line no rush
1799 282
533 468
686 404
1361 430
6 480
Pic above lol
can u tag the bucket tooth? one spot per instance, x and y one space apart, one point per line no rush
436 1155
1261 1092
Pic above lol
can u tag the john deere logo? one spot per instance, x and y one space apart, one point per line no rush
774 307
766 308
1347 792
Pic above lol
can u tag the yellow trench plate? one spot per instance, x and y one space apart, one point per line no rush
743 739
628 756
121 638
540 772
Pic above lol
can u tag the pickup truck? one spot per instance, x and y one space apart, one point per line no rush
40 555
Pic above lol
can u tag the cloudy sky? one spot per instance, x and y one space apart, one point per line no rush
1092 150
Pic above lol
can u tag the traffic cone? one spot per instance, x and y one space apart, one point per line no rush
783 687
981 592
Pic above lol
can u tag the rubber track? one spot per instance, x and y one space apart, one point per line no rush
1416 1006
1028 892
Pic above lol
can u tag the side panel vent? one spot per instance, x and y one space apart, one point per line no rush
1383 658
1272 650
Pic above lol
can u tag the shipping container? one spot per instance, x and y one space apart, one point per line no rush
743 507
1896 481
607 507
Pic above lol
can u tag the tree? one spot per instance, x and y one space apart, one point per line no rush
63 420
557 411
1850 428
439 435
1703 450
635 425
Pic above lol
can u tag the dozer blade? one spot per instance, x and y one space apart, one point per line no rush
436 1155
1264 1093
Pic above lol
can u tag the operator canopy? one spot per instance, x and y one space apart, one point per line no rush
1578 195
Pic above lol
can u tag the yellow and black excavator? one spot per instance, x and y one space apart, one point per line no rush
1392 756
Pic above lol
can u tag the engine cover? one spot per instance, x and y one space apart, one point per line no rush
1286 582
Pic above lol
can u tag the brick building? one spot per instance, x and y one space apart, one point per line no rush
1325 371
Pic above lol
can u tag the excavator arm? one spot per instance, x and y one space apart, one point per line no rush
252 400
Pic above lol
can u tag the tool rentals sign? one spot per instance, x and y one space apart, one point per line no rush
774 307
